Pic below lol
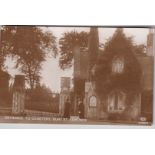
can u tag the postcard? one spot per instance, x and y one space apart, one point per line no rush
76 74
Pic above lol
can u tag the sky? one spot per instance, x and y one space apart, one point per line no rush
51 73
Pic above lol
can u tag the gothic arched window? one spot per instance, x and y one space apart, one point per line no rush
116 101
118 64
93 101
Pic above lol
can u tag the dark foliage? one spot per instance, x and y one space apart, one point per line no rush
29 45
139 50
130 78
67 43
43 99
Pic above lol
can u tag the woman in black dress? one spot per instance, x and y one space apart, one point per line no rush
67 109
81 109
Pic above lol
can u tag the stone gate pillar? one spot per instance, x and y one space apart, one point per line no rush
18 95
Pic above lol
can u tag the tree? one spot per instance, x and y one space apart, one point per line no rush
29 45
67 43
3 46
2 59
139 49
40 93
41 98
119 47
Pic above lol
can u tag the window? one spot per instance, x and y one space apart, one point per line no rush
118 65
116 101
93 101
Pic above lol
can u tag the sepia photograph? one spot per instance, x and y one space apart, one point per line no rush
96 75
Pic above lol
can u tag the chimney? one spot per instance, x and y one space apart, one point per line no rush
93 47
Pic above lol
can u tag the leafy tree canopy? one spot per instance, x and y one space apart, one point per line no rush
67 43
29 45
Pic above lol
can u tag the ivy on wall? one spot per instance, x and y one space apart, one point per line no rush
117 66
